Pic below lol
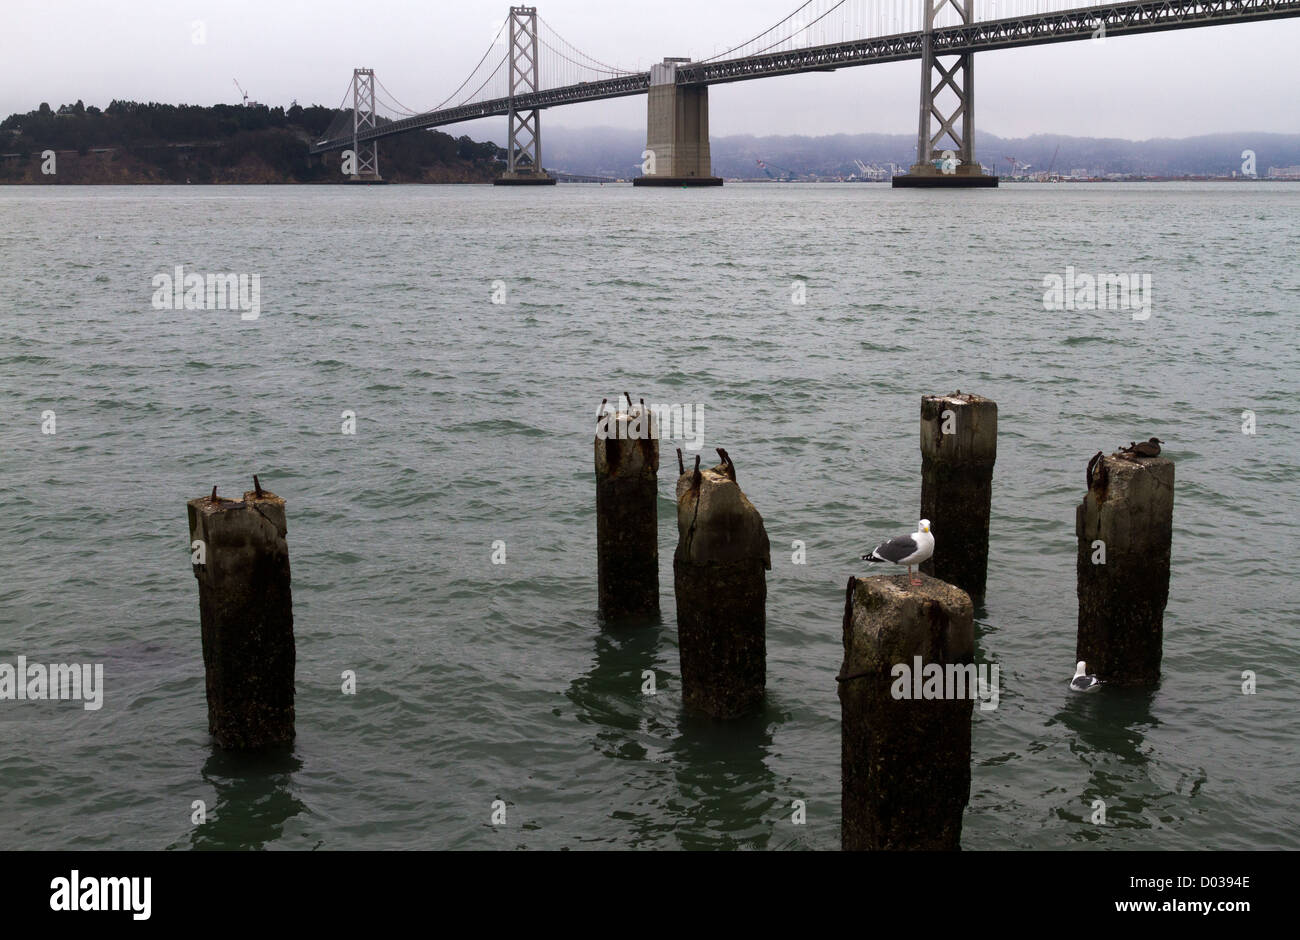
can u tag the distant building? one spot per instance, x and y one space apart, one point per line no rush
1284 172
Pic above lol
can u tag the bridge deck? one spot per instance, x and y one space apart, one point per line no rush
1065 26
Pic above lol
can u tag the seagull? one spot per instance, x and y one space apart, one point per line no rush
906 550
1082 682
1149 448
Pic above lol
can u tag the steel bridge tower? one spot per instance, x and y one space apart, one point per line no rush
365 154
946 156
524 142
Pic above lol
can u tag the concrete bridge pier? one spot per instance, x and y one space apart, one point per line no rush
677 132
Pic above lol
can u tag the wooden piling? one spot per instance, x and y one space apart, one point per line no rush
721 589
905 759
959 443
246 615
627 513
1125 530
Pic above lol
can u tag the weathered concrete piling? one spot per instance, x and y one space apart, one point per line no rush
959 444
246 612
1125 528
627 513
718 576
905 758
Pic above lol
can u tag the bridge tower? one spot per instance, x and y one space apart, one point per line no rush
677 132
365 159
524 143
946 157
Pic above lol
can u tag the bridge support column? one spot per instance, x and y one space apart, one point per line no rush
677 132
524 140
946 157
365 154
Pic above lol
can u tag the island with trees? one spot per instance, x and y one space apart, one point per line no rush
135 142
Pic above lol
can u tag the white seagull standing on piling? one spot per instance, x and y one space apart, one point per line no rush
1082 682
906 550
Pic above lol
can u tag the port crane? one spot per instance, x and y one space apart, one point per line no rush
873 172
1017 166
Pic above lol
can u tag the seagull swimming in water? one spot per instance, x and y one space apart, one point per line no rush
906 550
1082 682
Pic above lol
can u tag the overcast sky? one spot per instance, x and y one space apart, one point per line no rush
1171 84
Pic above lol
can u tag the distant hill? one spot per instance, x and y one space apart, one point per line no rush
617 152
133 142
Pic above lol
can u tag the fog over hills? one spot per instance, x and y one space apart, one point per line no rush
616 152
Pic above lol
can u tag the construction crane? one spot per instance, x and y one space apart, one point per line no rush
1054 156
242 92
789 174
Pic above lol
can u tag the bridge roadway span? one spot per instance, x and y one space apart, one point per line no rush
1120 19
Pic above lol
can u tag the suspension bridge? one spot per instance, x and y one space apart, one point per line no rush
530 67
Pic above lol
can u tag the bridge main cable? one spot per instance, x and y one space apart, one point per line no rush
982 34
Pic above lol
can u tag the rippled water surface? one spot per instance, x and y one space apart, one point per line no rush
479 682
